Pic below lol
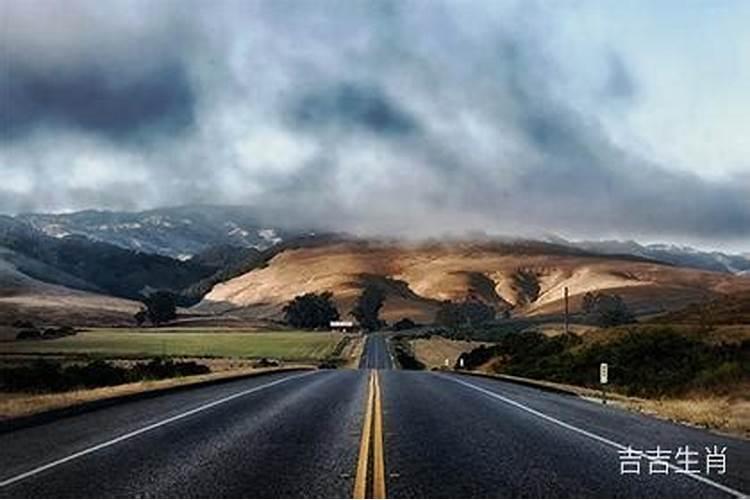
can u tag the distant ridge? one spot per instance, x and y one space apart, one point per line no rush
178 232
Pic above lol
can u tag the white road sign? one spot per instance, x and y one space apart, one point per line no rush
603 373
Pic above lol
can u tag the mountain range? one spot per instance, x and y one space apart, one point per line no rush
677 255
181 232
178 232
94 266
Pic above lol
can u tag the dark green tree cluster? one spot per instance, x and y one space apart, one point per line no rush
367 309
454 315
311 310
606 310
404 324
159 307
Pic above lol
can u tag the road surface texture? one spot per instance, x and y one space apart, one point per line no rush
376 355
368 432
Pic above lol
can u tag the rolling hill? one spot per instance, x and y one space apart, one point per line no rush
88 258
25 298
77 262
526 277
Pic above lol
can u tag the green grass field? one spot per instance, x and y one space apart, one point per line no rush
193 342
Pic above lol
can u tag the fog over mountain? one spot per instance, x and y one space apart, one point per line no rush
405 118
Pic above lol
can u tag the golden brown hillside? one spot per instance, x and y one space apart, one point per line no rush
528 278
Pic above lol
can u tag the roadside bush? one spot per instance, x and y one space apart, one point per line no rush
657 363
404 355
403 324
48 376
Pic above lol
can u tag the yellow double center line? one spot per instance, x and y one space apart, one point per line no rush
372 431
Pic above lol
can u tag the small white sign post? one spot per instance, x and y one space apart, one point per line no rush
604 379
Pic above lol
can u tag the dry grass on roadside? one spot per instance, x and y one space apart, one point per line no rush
728 413
14 405
353 351
722 413
435 350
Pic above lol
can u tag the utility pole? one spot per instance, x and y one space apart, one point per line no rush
566 310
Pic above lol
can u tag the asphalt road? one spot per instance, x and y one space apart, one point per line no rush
376 355
300 434
452 436
297 438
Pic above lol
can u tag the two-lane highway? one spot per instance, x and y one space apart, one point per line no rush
376 354
373 431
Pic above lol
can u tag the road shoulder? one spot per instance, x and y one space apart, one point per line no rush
28 410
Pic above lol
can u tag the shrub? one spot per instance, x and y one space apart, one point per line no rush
29 334
606 310
454 315
404 355
656 363
46 376
403 324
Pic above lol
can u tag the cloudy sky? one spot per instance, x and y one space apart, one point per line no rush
584 119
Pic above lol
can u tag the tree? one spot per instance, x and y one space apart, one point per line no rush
606 309
367 308
449 315
141 316
161 307
454 315
311 310
477 312
403 324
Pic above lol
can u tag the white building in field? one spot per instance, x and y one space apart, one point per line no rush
344 326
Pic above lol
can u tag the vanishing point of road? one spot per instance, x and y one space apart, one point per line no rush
372 432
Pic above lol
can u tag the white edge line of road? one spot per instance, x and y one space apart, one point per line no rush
137 432
601 439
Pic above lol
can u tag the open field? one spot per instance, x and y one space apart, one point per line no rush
435 350
127 343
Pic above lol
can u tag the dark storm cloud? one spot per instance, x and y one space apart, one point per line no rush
96 99
581 180
345 105
408 120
